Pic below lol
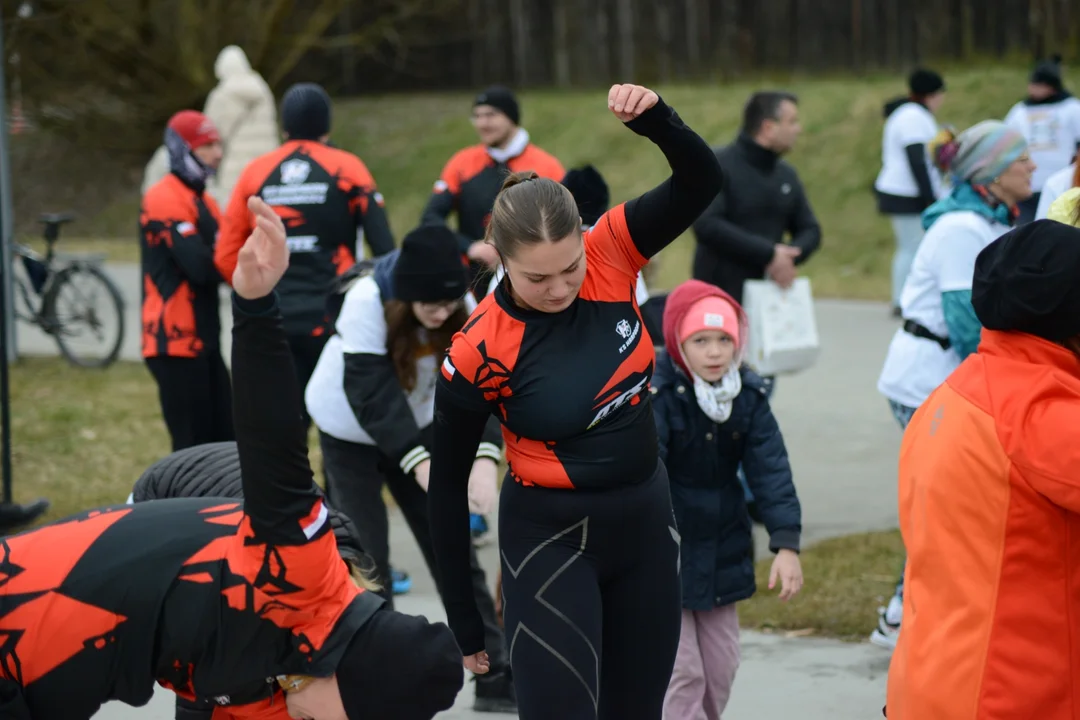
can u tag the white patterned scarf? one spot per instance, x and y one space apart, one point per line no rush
715 399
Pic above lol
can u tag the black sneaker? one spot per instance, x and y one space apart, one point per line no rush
495 693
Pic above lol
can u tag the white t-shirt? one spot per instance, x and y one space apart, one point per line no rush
1055 187
640 292
361 328
1052 132
945 261
909 124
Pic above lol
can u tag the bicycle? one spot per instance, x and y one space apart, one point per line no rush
52 279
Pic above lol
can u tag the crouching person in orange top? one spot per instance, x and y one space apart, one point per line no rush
246 604
990 502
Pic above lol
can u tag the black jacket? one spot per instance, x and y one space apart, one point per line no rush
702 459
370 382
761 203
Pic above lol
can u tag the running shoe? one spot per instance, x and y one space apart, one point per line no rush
400 582
886 633
481 534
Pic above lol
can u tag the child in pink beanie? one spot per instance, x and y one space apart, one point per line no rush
712 415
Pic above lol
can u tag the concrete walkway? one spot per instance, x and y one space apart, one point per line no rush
843 444
780 678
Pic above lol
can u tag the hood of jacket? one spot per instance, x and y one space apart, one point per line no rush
678 303
895 104
231 61
236 77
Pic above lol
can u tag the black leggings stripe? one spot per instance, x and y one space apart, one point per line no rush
591 599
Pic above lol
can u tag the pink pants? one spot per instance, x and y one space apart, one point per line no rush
705 665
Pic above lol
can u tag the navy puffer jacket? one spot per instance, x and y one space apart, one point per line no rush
702 459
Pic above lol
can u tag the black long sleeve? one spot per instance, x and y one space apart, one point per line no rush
194 256
457 432
376 225
664 213
804 226
279 490
379 403
916 157
438 208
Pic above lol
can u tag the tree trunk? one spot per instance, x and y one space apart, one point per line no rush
626 41
520 33
561 44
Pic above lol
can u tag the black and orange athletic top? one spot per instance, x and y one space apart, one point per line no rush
178 226
470 182
212 598
328 200
570 388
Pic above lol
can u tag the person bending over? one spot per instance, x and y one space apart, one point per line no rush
246 605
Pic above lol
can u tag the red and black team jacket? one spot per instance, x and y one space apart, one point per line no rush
471 180
209 597
328 200
177 230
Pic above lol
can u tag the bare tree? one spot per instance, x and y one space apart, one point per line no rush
110 72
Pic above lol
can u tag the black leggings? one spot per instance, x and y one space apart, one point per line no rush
196 398
591 599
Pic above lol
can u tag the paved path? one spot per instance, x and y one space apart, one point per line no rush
843 444
779 678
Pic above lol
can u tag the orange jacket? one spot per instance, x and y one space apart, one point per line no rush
990 515
178 227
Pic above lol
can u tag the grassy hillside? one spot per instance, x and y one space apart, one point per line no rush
405 140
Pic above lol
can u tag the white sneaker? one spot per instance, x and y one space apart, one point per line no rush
894 613
886 633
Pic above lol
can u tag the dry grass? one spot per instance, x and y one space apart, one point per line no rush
81 438
847 578
406 139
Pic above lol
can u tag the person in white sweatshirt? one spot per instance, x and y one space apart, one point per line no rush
1049 118
908 182
1056 185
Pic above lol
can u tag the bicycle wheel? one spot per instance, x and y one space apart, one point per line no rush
72 307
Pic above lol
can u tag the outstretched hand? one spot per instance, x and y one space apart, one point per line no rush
629 101
264 257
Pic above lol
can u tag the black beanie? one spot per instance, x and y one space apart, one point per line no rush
502 99
400 666
925 82
430 267
1026 281
305 112
590 192
1048 72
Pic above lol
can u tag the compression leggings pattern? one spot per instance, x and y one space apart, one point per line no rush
591 599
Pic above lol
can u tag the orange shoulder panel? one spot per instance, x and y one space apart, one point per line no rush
486 349
464 165
539 161
169 201
613 259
